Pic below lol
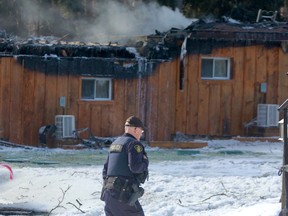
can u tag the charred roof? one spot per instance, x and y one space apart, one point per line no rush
262 32
202 36
64 50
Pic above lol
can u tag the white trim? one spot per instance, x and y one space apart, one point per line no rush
94 97
228 77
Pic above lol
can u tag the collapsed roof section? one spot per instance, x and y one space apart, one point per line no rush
268 31
129 61
203 36
53 57
11 47
161 45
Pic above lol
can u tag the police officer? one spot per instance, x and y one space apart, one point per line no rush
125 169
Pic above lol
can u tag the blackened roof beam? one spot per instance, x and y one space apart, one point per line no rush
74 51
236 36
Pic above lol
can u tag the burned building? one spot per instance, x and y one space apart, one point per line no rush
206 79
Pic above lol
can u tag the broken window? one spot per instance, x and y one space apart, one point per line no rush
96 89
215 68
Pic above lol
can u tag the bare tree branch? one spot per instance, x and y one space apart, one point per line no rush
221 194
60 200
76 207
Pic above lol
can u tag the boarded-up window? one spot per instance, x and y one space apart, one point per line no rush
96 89
215 68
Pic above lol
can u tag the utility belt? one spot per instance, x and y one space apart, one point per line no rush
121 189
118 184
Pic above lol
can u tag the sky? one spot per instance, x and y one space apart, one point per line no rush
226 178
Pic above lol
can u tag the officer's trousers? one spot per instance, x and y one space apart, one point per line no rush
113 207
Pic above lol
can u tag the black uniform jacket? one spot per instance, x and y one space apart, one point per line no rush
136 160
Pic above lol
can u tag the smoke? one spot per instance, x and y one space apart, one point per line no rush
33 18
119 20
112 20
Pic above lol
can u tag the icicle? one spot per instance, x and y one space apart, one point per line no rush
182 62
142 66
183 49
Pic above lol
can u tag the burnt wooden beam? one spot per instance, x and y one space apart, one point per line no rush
73 51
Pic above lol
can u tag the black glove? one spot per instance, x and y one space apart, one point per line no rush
142 176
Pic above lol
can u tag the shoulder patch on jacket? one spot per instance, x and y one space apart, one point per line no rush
138 148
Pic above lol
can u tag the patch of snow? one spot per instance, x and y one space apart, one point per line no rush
226 178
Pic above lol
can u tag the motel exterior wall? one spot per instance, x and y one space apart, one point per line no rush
30 96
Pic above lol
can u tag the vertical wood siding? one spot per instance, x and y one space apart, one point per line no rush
5 96
30 99
216 107
17 92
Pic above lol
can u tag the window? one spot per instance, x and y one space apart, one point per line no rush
96 89
216 68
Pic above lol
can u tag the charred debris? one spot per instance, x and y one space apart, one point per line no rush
202 36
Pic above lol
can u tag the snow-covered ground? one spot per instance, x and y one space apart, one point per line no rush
226 178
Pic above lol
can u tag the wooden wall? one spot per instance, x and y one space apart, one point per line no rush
221 107
30 99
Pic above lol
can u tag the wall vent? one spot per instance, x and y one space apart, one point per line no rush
65 126
267 115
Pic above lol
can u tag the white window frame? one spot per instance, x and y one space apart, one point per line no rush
95 98
215 77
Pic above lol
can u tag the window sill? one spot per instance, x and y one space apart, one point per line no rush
98 102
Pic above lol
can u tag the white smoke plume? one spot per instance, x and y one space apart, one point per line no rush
120 20
113 20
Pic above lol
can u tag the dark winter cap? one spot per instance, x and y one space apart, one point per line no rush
133 121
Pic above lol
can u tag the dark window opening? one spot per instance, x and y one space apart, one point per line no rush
181 77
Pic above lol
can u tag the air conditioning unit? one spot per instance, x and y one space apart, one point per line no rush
65 126
267 115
